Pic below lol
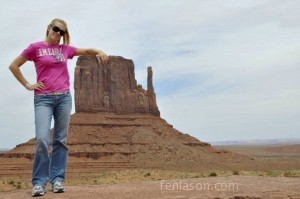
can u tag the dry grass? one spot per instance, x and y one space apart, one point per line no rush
134 175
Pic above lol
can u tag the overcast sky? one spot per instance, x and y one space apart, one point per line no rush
223 69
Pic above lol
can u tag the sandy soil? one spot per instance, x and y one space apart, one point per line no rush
235 187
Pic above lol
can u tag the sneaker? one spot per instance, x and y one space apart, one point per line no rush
38 190
57 187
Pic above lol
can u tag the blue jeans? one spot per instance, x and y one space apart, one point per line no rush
45 167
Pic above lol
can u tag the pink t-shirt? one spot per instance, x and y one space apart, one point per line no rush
51 65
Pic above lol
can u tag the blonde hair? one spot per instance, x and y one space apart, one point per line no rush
66 37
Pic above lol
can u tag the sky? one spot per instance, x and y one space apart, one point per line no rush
222 69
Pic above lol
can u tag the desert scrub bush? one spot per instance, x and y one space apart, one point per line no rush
11 182
235 173
274 173
213 174
290 174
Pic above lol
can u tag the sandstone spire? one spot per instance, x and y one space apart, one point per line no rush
112 88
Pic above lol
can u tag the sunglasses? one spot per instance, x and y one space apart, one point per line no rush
57 29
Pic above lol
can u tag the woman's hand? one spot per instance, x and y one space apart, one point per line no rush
37 86
103 57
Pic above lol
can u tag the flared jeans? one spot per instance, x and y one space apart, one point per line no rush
51 167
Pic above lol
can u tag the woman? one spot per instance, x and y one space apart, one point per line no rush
52 99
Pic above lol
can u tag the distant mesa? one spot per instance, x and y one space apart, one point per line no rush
117 124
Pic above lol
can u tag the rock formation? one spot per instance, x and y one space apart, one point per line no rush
112 88
117 125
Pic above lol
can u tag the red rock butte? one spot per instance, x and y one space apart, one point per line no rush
112 88
117 124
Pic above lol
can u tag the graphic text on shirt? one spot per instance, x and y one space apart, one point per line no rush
56 53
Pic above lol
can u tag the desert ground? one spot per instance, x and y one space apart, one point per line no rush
279 178
242 187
